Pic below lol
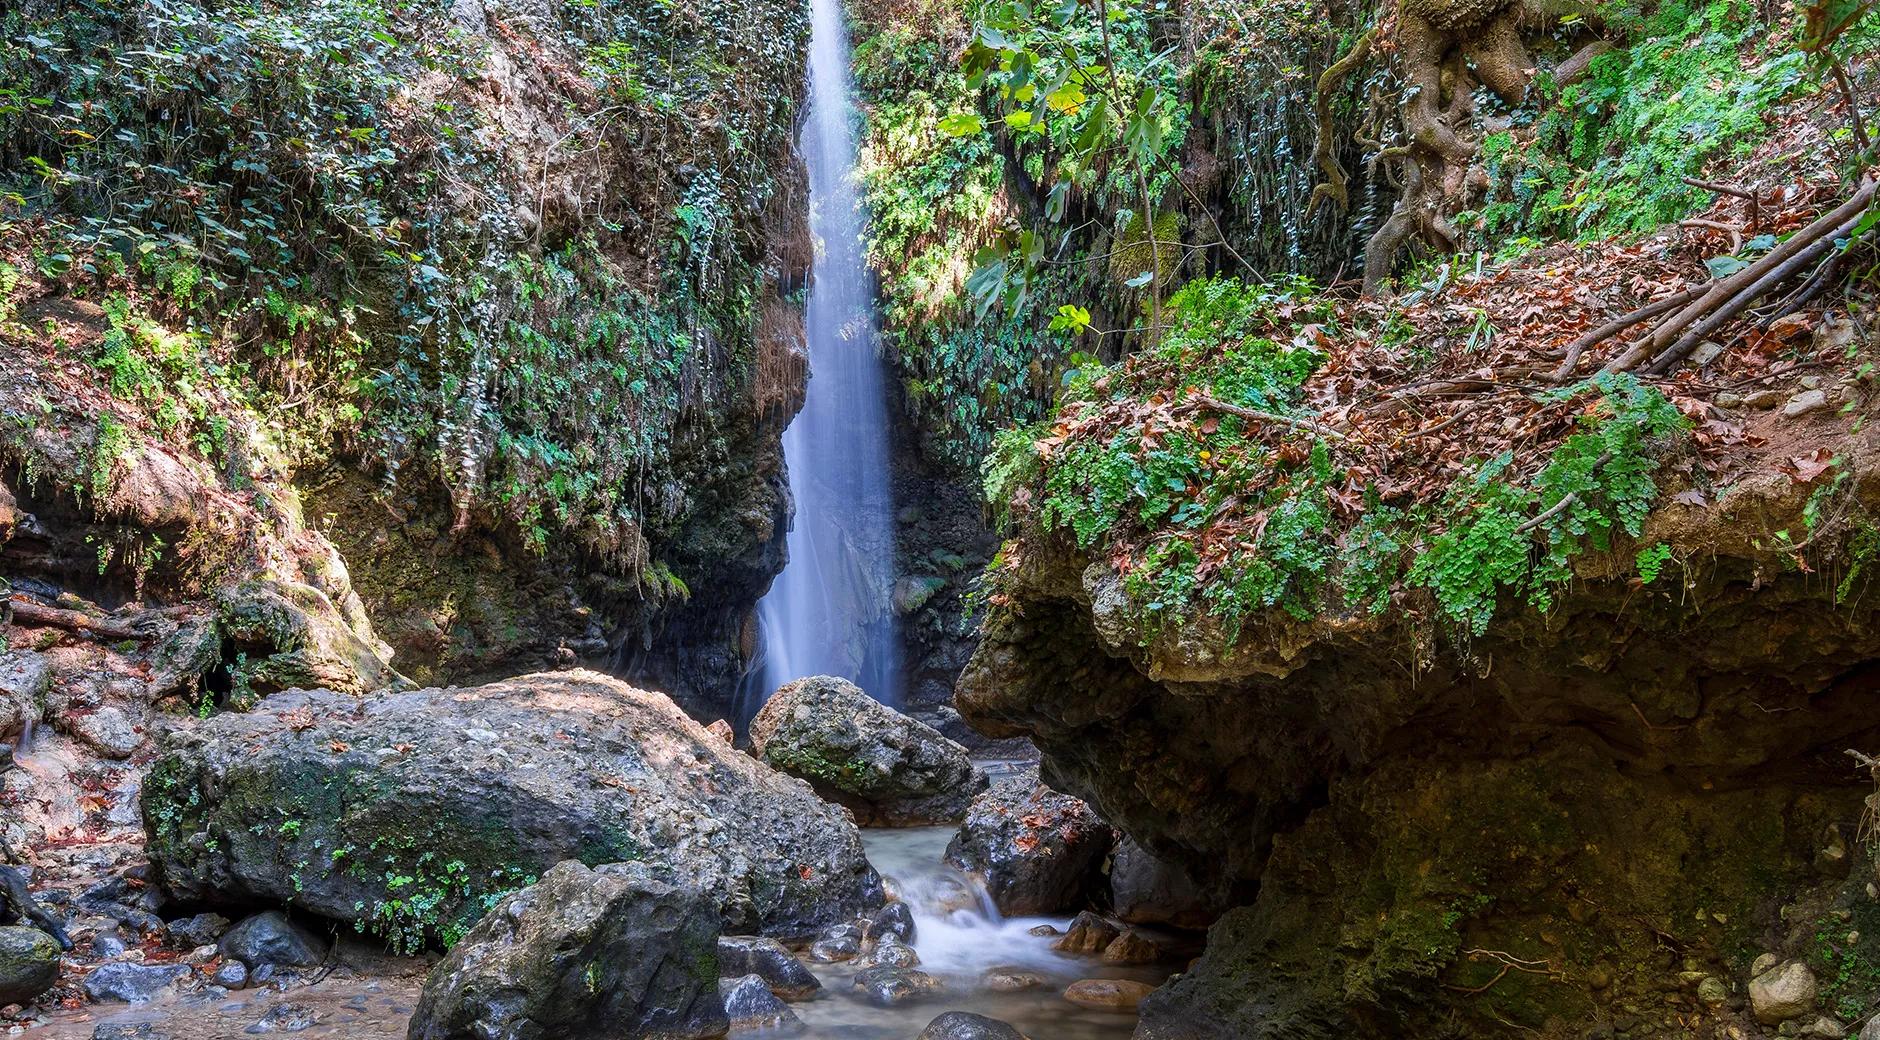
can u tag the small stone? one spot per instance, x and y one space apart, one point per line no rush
1810 382
740 955
892 919
1803 403
1706 352
1108 994
1012 980
1782 993
1132 947
890 986
1043 931
1824 1027
1871 1031
1729 399
231 975
128 1031
835 948
1764 399
890 952
132 983
272 938
752 1005
1089 933
200 930
962 1025
106 945
1712 991
200 955
285 1018
1762 963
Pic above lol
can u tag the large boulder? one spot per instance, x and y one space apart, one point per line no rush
411 812
1146 889
1039 851
29 964
272 938
888 768
612 953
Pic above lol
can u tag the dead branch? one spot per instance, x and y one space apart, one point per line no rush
1216 405
1561 506
25 611
1616 326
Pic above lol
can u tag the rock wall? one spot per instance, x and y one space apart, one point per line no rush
500 365
1577 812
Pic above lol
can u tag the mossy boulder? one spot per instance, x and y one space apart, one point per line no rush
888 768
410 813
613 953
29 964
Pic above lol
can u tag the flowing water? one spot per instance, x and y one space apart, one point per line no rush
831 610
959 936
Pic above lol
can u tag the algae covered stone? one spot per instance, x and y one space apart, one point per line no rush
613 952
29 964
409 813
888 768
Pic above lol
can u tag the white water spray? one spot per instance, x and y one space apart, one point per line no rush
831 610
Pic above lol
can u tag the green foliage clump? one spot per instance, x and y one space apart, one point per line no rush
353 243
1609 154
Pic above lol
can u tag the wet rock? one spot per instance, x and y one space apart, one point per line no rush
273 938
769 959
285 1018
230 975
29 964
894 918
574 764
1012 980
888 768
1145 889
129 1031
963 1025
109 731
1043 930
1108 994
889 952
25 676
835 948
1088 933
200 930
603 953
1039 851
1781 993
1132 947
750 1004
107 945
133 983
888 987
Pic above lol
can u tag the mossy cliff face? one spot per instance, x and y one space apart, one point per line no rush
500 300
1560 823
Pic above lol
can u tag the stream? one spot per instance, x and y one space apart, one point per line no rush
369 995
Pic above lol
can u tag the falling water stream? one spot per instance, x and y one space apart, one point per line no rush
830 611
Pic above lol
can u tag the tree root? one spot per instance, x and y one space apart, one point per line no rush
1324 150
1216 405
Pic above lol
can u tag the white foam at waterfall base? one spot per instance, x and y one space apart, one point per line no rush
957 929
830 612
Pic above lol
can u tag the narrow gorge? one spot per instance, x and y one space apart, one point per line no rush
939 519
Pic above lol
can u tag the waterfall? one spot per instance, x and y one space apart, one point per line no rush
831 610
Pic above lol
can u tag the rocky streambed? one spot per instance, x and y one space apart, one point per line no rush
592 860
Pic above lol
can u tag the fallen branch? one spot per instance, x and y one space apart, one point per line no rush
25 611
1561 506
1728 293
1616 326
1216 405
1735 233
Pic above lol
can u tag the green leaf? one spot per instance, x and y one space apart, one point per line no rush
962 124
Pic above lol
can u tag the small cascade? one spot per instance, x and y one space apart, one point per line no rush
831 610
